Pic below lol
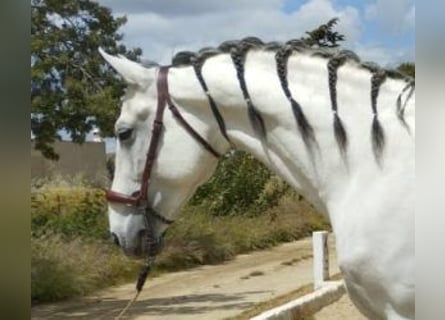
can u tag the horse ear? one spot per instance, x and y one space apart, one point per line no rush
132 72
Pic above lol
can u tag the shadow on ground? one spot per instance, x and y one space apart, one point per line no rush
108 308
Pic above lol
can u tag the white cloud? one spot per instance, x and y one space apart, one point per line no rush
188 7
395 16
384 56
162 28
410 18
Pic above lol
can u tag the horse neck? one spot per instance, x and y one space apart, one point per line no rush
319 172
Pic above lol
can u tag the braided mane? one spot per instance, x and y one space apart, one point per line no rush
187 58
335 58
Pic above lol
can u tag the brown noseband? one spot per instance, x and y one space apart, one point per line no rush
139 198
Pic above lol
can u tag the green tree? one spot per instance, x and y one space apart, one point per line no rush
71 86
407 68
324 36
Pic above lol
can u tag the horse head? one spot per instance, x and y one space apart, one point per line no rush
143 203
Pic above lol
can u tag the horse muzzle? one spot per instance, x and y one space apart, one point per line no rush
144 245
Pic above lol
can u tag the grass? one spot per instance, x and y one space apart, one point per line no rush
63 269
65 266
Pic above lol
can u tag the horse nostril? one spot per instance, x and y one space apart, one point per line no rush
114 239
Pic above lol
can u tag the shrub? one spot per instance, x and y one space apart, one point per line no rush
60 181
70 211
236 186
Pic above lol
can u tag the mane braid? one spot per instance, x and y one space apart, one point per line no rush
228 45
297 45
183 58
339 130
272 46
377 133
238 55
197 66
401 108
410 94
305 129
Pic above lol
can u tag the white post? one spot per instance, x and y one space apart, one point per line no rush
320 258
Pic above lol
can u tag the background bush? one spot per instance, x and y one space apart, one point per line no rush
73 212
241 185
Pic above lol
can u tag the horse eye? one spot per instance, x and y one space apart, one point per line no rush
124 133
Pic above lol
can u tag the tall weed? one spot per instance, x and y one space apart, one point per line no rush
63 268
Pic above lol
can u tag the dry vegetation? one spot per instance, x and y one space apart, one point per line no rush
65 268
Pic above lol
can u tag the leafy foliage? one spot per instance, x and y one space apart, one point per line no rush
69 212
239 185
324 36
408 68
71 86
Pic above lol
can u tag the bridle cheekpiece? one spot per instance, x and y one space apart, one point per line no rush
139 199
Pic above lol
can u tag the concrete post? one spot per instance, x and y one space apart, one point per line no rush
320 258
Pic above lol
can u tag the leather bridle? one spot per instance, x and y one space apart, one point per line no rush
139 198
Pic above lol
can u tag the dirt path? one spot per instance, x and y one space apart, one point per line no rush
208 292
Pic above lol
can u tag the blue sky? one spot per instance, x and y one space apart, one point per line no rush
381 31
377 31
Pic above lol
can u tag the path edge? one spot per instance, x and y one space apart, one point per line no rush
307 305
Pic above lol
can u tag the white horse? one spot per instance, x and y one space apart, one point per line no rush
339 131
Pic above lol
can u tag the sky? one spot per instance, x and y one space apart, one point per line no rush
381 31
